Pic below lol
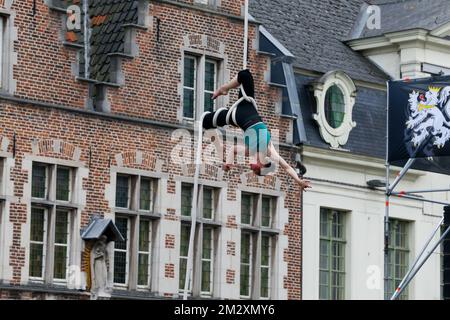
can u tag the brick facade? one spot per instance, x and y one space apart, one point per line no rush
48 117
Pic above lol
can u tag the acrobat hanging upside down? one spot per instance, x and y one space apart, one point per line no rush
257 139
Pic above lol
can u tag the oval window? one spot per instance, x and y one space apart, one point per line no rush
334 106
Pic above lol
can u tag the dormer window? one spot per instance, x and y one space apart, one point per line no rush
335 95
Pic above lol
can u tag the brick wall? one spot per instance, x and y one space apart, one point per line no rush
44 73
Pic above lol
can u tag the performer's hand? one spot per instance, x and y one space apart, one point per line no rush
305 184
219 92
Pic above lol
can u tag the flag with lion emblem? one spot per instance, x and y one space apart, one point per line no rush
419 123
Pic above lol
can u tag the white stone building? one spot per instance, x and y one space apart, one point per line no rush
341 66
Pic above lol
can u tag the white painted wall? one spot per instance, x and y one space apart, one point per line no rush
364 223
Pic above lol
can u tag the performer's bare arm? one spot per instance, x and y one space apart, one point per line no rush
275 156
223 90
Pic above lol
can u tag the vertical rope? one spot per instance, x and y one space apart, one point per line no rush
189 267
245 35
190 261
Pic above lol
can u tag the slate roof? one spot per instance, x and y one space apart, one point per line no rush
108 20
399 15
99 227
314 32
369 113
108 34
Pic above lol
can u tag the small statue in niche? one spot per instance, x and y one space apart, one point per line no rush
100 264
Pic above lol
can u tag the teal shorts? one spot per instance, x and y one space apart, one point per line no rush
257 138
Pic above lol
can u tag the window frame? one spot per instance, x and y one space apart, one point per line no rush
268 267
213 203
194 89
46 180
129 195
393 279
331 240
152 183
250 265
257 231
148 253
186 258
202 223
127 254
51 206
44 244
216 79
199 90
135 215
70 183
211 263
67 245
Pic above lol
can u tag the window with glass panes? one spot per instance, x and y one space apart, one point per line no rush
39 181
207 260
210 84
398 257
198 86
146 194
186 199
41 178
132 191
256 228
53 184
184 249
38 236
61 253
246 208
332 255
208 203
121 249
123 190
144 258
267 211
203 274
246 264
135 216
266 261
63 181
122 253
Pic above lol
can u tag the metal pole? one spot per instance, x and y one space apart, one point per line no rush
423 191
386 212
418 258
400 290
401 174
386 230
400 195
245 35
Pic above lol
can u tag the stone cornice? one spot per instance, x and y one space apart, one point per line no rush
399 39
